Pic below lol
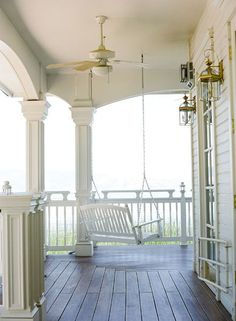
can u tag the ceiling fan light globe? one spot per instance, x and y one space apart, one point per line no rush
102 70
101 54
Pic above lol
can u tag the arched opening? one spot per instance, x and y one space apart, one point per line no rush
118 144
12 143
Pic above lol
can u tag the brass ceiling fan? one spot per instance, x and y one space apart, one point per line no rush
100 62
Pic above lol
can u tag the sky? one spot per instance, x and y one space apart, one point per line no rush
117 145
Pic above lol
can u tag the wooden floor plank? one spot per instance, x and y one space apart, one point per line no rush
160 297
120 282
191 303
58 285
102 310
132 282
108 281
51 279
143 281
133 307
148 307
177 304
117 307
72 309
58 307
73 280
178 307
49 266
96 280
167 282
87 310
208 303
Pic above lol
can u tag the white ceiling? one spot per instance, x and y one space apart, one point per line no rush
66 30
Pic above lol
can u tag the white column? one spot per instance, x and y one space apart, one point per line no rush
83 118
23 275
35 112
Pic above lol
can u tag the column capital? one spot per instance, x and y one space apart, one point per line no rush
83 115
35 109
21 202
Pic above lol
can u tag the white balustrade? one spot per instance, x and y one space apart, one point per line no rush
175 211
60 222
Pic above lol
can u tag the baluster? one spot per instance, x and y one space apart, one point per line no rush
65 231
183 239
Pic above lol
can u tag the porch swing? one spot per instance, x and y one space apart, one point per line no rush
111 223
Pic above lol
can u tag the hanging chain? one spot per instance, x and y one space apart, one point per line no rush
144 153
96 189
144 143
143 122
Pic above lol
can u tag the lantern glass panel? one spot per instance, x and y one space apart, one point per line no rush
186 117
210 90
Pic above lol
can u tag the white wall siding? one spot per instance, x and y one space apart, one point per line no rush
216 15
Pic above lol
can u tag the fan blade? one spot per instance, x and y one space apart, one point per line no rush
86 65
136 63
66 64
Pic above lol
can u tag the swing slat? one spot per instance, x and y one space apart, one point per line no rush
110 223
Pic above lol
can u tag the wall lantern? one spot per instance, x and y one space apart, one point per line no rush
187 111
212 77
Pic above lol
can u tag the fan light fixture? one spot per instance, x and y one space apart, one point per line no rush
212 77
102 70
186 111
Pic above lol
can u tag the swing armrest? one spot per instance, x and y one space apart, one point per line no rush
147 223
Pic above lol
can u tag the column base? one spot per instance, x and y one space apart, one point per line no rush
84 248
6 315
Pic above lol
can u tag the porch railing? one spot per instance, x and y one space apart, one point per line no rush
175 211
60 221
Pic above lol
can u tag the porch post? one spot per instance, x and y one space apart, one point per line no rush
35 112
23 273
183 237
83 118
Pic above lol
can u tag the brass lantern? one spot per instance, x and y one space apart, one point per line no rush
210 81
187 111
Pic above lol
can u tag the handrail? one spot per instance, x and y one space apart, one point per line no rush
214 262
138 192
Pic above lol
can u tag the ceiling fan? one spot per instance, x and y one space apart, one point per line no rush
100 62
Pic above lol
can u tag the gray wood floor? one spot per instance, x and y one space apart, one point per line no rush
144 283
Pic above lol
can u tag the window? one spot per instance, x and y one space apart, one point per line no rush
209 182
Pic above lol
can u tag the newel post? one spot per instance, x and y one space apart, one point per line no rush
83 118
22 257
183 238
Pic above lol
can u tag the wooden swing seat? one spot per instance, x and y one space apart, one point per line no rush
111 223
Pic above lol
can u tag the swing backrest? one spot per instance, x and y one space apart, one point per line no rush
108 223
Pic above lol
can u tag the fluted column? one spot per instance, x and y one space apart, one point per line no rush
35 112
83 118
